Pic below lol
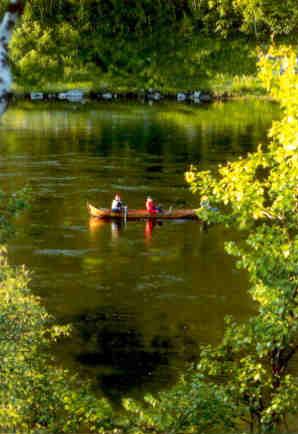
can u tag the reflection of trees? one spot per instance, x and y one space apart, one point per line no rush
111 341
124 129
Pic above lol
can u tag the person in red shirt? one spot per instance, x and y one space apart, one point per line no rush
151 207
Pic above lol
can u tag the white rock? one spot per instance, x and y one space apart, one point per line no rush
181 96
107 96
36 96
74 95
196 94
156 96
62 95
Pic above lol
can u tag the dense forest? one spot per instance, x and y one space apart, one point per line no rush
168 44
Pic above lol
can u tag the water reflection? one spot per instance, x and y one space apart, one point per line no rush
149 226
96 224
112 345
118 227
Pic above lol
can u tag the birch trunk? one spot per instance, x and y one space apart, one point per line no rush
11 16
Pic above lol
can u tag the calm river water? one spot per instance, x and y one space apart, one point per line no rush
141 299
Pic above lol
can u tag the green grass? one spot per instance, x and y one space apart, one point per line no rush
221 86
52 87
238 85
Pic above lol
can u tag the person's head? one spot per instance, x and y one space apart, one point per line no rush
149 198
117 196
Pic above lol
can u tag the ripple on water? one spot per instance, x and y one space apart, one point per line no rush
63 252
76 228
122 187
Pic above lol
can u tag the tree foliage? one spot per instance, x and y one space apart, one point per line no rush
34 50
144 17
75 40
190 406
10 207
258 195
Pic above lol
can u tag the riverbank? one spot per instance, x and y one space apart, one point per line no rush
78 92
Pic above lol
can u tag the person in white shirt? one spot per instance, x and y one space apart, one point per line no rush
117 204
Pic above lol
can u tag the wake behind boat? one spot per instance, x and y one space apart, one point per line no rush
139 214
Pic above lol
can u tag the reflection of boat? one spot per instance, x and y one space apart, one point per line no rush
116 229
95 224
139 214
149 226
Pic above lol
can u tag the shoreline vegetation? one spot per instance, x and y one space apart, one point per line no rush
199 69
168 50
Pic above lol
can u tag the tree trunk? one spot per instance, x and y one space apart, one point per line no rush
11 16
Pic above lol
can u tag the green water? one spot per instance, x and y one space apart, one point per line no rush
141 299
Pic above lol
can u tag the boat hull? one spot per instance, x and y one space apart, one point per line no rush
107 214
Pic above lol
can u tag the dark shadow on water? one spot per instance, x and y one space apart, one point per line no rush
126 361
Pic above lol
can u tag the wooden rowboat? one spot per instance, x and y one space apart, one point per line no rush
140 214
